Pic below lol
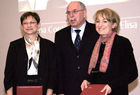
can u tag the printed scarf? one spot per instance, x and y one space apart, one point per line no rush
106 54
35 51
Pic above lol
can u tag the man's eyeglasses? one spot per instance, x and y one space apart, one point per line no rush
31 23
73 12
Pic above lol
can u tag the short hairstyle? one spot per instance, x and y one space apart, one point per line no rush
82 5
27 14
111 16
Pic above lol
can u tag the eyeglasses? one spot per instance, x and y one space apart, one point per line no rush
31 23
73 12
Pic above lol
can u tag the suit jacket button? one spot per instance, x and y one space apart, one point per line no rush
77 56
26 59
78 67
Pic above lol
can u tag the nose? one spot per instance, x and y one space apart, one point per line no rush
100 24
29 24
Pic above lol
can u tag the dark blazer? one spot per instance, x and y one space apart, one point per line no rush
16 65
121 70
73 66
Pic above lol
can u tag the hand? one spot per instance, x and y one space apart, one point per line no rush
107 89
49 92
84 84
10 91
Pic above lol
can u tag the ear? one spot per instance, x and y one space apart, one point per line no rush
38 25
85 13
21 29
114 25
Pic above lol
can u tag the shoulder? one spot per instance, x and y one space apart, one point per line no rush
16 44
63 30
17 41
46 41
90 25
46 44
91 29
123 41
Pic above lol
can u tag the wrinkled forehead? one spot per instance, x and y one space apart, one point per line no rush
74 5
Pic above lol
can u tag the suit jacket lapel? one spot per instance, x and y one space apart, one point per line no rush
69 39
42 50
85 38
24 56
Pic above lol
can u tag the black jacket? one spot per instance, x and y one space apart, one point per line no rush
121 70
73 66
16 64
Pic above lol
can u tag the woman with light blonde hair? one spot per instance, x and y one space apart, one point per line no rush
112 61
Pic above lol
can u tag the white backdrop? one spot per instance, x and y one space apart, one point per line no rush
53 18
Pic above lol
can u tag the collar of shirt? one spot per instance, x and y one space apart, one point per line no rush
73 33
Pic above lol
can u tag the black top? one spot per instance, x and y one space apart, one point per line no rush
121 70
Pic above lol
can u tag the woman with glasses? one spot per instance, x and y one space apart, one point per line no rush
30 59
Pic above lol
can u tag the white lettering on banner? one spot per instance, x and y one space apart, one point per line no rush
130 22
50 29
127 24
53 29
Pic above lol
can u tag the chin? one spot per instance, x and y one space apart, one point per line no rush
101 33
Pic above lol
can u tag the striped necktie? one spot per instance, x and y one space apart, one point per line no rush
77 40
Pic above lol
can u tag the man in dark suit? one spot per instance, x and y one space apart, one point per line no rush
72 62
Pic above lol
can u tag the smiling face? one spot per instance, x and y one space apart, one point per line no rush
76 15
107 21
30 26
103 26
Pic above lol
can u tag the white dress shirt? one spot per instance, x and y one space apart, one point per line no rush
73 33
